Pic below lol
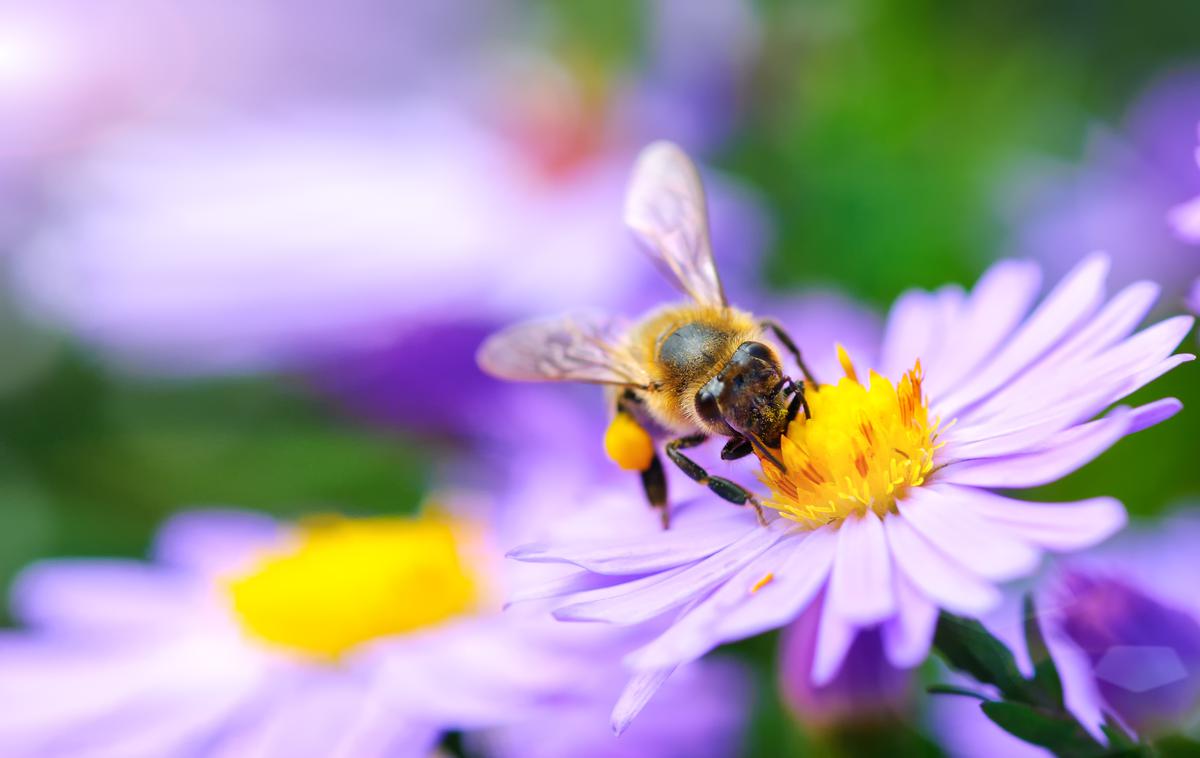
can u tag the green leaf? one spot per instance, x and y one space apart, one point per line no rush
1118 738
967 646
1177 746
950 689
1046 679
1039 727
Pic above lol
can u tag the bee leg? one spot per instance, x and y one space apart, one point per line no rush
735 448
654 481
782 335
798 401
724 488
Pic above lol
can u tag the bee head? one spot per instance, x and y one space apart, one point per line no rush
747 396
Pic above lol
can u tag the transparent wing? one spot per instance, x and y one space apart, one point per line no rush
576 348
665 207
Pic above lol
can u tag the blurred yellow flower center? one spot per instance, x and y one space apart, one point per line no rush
345 581
864 446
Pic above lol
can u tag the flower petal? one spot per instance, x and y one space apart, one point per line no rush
968 539
1074 299
908 635
1062 454
103 595
214 542
835 635
944 581
790 590
1151 414
911 326
860 585
1054 526
635 696
996 305
653 552
622 605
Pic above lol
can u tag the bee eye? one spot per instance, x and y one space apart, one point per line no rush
758 350
706 406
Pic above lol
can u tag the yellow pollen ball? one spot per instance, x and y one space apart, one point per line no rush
628 444
864 446
346 581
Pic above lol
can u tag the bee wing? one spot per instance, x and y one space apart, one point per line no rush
576 348
665 208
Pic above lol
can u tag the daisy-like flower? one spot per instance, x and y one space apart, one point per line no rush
245 636
1122 624
886 510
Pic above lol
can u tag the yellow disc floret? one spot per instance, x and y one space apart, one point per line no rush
343 582
863 447
628 444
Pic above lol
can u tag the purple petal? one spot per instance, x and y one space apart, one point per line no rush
654 552
997 303
911 326
692 635
792 588
835 635
1185 219
1064 453
860 585
1054 526
214 542
1145 416
1074 299
908 635
101 596
968 539
650 600
635 696
943 580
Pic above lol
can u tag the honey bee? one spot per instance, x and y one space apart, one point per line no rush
693 370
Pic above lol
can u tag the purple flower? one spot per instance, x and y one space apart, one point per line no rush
1117 199
867 688
1123 625
700 714
887 503
333 636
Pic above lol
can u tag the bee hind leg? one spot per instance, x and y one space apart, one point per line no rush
790 344
724 488
654 482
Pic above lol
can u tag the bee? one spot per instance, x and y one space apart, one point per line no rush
693 370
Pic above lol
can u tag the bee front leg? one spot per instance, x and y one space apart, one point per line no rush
724 488
735 448
790 344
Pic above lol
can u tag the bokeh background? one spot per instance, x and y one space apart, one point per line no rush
248 247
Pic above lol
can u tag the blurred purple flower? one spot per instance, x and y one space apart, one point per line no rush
1117 199
868 687
1123 625
887 503
331 637
365 242
699 714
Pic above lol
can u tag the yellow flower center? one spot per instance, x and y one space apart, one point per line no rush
343 582
864 446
